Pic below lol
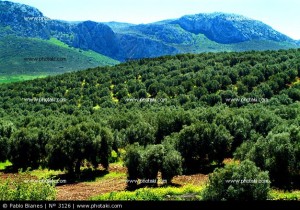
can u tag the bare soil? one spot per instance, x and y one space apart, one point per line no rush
83 191
86 190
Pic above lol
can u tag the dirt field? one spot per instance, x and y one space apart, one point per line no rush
83 191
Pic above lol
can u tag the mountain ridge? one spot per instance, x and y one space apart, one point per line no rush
235 28
203 32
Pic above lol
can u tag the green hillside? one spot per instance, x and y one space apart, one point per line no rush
175 36
30 56
184 114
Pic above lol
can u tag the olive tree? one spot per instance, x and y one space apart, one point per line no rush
77 143
6 130
202 143
239 182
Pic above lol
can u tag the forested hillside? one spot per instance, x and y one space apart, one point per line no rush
33 56
175 114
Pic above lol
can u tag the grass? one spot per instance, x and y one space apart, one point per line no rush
18 190
16 50
89 53
3 165
281 195
111 175
45 173
189 192
19 78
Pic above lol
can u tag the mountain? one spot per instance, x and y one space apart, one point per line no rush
229 28
26 33
14 16
118 26
122 41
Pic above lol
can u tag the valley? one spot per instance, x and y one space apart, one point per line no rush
194 131
202 107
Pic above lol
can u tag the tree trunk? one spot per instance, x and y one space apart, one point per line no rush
77 167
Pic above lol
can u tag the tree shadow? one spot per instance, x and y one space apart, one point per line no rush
171 185
9 169
133 187
296 182
86 175
206 169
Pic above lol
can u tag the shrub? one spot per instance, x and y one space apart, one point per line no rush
18 190
242 181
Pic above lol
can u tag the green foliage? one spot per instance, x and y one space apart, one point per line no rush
6 130
5 164
132 161
26 149
192 117
169 121
171 165
239 126
18 190
20 77
145 163
104 151
143 133
151 161
244 182
154 194
276 154
285 195
113 157
202 143
78 143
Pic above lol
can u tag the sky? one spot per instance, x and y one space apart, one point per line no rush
282 15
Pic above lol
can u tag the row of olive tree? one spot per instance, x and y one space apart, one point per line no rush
32 147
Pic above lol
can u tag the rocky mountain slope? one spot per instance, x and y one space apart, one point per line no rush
121 41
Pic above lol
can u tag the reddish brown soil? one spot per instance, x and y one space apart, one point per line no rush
85 190
16 176
195 179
